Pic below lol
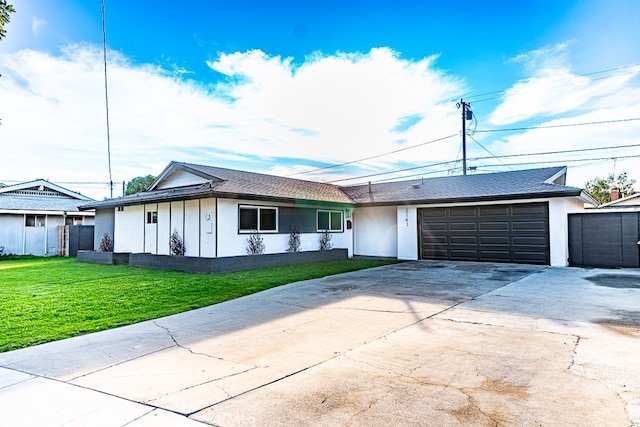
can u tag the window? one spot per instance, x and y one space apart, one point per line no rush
73 220
152 217
329 220
34 221
256 218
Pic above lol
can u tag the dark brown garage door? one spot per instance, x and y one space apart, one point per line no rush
498 233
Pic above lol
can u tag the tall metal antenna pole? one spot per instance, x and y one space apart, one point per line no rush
106 94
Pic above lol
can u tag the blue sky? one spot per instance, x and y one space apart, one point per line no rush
296 88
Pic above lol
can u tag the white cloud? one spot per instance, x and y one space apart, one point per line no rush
553 89
37 24
544 58
589 136
270 113
330 108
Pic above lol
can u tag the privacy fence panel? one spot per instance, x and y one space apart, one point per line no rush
604 239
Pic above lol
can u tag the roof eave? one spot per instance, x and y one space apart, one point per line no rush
501 197
132 200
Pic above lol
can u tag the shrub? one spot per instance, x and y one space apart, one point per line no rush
106 244
294 239
255 244
176 244
5 256
325 241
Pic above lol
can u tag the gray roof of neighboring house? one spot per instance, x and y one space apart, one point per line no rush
632 200
531 183
229 183
29 203
39 195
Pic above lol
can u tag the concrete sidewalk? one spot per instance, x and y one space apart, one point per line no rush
418 343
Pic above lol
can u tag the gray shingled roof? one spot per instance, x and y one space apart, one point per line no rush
237 182
19 202
240 184
491 186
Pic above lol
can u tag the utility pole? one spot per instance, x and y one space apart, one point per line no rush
467 114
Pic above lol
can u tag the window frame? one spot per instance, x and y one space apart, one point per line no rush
330 213
258 210
36 223
152 217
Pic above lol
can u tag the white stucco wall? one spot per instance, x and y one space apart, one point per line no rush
129 230
104 223
21 240
12 233
53 221
559 210
233 243
375 231
177 222
180 178
208 227
191 234
208 218
164 228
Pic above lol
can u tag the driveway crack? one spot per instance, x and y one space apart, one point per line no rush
575 352
168 331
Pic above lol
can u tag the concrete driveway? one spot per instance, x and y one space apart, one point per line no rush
417 343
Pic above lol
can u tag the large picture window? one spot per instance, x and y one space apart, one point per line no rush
258 218
330 221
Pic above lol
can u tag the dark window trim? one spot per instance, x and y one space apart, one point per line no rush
152 217
258 209
35 221
330 212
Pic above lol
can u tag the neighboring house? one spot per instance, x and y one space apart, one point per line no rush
518 216
631 202
31 212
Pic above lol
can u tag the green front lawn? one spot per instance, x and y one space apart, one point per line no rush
47 299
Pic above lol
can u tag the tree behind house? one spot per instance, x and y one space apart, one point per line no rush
600 188
139 184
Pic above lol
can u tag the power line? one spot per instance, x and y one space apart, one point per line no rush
546 153
487 150
592 160
575 150
495 92
477 131
559 126
488 130
373 157
395 171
